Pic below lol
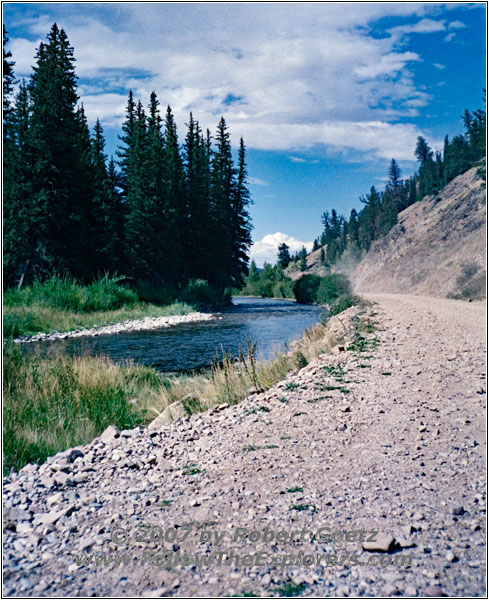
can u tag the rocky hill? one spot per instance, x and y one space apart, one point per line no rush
437 247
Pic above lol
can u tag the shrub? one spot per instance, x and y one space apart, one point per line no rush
305 289
332 287
342 304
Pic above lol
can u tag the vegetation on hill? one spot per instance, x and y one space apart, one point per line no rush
354 236
162 213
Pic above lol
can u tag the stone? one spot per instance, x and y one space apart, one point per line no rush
458 510
111 433
410 591
389 589
171 413
450 556
74 454
433 591
382 543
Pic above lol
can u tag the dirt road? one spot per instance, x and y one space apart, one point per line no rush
387 436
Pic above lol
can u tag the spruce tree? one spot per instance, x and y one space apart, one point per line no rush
56 170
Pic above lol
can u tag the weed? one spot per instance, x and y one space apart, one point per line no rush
303 507
283 399
290 589
293 490
290 387
191 469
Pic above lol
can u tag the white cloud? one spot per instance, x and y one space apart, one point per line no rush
266 249
456 25
439 66
257 181
298 159
286 77
449 37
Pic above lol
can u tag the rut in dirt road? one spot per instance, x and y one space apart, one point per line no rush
386 435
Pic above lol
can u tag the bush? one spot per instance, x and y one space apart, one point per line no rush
147 292
342 304
306 288
66 293
332 287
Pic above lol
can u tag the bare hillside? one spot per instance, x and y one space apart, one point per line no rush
436 249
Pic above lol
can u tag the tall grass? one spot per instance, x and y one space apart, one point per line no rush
63 304
51 404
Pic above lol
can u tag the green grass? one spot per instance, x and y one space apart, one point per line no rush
51 404
289 589
62 304
303 507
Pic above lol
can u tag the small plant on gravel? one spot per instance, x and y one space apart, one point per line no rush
289 589
251 448
283 399
271 446
291 386
303 507
165 502
293 490
257 409
192 469
386 373
298 414
245 594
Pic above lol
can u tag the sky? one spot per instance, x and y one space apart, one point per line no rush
324 94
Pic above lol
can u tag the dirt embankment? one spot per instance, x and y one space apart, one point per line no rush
437 248
385 435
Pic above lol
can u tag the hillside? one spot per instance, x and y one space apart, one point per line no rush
437 248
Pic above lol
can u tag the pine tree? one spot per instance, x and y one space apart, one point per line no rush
240 221
283 258
57 170
175 207
221 192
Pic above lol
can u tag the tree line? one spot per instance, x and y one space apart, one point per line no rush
379 214
161 212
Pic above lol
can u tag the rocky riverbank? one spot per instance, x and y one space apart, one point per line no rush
125 326
382 435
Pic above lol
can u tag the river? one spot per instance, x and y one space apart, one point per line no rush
271 323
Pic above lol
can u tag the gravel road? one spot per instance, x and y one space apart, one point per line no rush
386 434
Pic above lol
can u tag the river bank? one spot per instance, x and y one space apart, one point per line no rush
53 400
125 326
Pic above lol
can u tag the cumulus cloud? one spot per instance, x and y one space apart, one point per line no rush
266 249
456 25
449 37
439 66
285 77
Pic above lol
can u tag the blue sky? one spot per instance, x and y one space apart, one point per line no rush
323 94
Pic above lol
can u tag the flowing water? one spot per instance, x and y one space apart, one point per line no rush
271 323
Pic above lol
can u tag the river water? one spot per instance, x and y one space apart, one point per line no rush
271 323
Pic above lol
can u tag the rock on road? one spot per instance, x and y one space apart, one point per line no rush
387 435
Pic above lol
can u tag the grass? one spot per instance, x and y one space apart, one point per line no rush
51 404
62 304
303 507
57 402
289 589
